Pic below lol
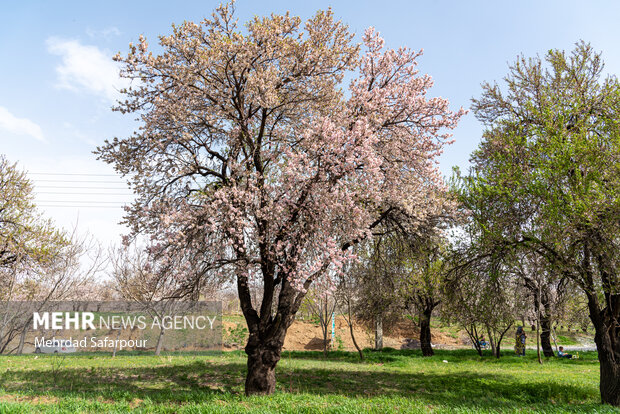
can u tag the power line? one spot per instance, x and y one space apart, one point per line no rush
62 192
79 201
68 206
77 174
78 181
73 187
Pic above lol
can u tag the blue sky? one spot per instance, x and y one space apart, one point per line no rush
57 80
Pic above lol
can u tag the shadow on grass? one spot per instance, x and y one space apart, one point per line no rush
388 355
200 381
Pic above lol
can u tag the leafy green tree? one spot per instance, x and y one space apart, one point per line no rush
27 241
546 180
377 279
482 296
37 261
422 284
404 271
547 291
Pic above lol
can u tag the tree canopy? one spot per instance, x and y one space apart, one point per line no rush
545 180
252 156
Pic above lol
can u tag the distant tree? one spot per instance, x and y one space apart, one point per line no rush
347 297
422 284
38 263
573 311
140 277
251 154
403 270
377 280
322 305
27 240
484 299
547 292
137 279
546 180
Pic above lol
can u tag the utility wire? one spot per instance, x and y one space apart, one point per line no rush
78 181
77 174
83 193
67 206
79 201
73 187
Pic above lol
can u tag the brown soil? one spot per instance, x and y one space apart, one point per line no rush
306 336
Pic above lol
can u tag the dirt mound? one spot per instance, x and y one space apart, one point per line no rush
307 336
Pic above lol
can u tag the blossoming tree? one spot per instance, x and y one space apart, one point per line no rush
252 160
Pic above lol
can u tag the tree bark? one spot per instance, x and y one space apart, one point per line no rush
542 307
538 327
350 323
359 350
607 339
492 341
545 335
267 328
545 324
160 340
379 332
605 317
425 331
498 341
22 339
472 332
324 321
118 335
262 361
267 332
610 378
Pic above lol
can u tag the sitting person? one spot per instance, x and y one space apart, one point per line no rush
483 343
561 353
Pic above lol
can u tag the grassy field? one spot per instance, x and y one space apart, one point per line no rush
389 381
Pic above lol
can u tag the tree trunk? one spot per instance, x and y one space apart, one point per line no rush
545 324
492 341
359 350
160 341
538 337
472 332
324 320
379 332
607 339
537 309
498 341
555 343
267 332
545 335
350 323
22 339
118 335
262 361
610 378
609 358
425 331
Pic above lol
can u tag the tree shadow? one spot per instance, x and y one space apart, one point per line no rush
176 383
204 380
389 355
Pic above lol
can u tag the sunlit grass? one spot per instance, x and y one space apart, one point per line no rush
389 381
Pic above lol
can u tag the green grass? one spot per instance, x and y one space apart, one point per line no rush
389 381
567 340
